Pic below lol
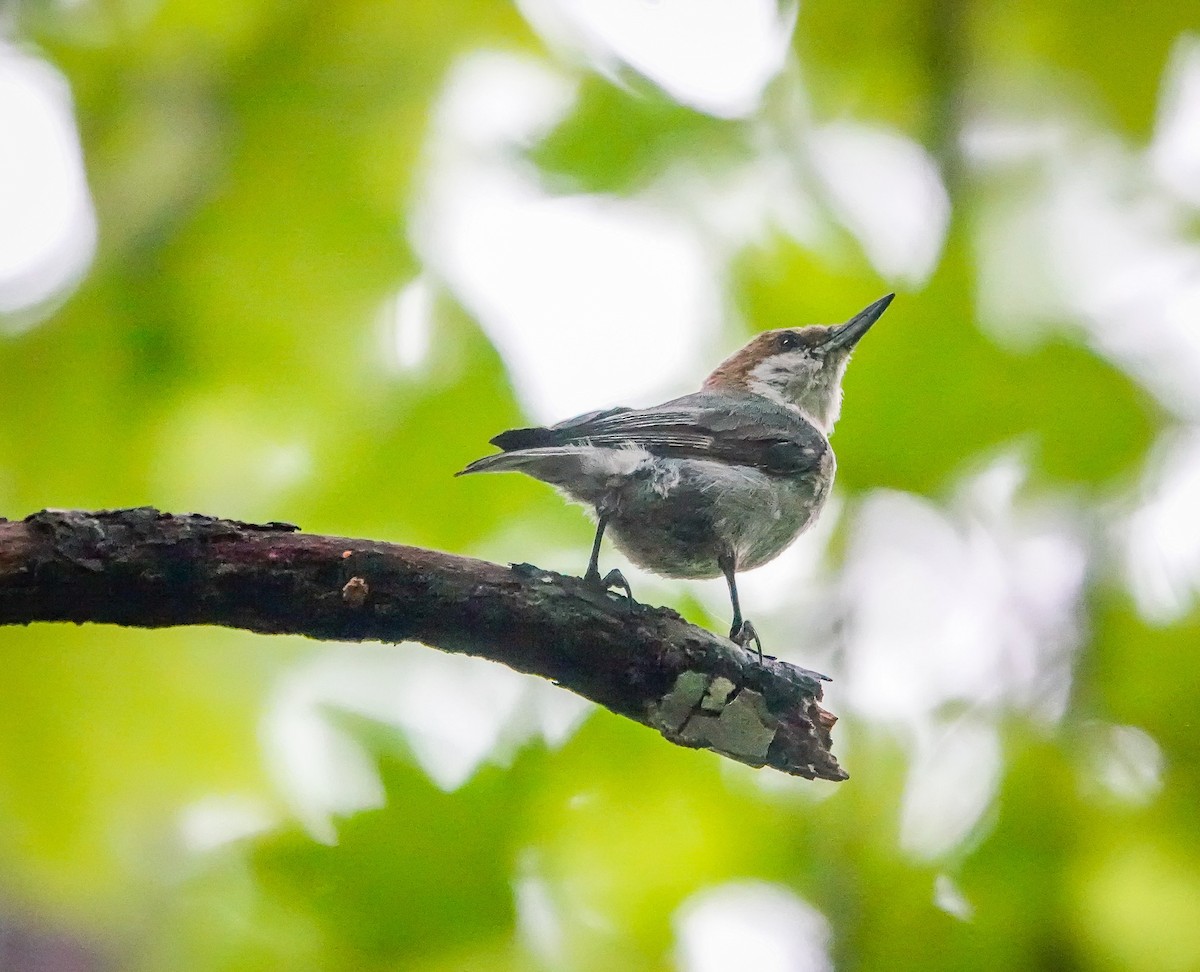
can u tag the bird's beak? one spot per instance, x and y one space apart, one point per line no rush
845 336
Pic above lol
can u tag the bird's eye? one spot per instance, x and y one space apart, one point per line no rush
788 341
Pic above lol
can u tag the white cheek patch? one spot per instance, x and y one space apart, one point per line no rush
778 378
774 369
768 378
767 390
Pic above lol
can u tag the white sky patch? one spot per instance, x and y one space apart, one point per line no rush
976 609
1127 272
409 319
1096 237
591 300
493 100
979 604
1122 762
751 925
454 712
749 202
1175 151
1161 536
948 896
1008 242
992 144
715 55
47 222
321 772
539 921
888 192
214 821
551 712
952 782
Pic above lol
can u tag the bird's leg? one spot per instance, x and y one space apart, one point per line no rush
728 565
614 578
741 632
592 576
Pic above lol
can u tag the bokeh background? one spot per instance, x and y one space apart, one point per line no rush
300 259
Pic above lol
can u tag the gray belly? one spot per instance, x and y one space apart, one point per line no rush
686 513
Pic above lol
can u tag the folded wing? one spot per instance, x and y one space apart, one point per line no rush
747 431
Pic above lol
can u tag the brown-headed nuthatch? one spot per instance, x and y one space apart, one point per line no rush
712 483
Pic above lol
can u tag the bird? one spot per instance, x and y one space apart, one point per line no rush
711 484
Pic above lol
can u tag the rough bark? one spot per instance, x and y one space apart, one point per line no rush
142 568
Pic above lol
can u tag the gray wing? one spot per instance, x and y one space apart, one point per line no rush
746 430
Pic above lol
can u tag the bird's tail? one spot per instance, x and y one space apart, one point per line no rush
551 464
523 449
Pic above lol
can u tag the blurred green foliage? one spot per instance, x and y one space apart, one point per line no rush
255 169
646 133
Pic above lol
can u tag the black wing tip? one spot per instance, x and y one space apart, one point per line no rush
511 441
524 439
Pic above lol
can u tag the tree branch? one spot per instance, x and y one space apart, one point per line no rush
143 568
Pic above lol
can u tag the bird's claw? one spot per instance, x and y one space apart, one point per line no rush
614 578
743 634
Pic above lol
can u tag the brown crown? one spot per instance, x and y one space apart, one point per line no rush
735 370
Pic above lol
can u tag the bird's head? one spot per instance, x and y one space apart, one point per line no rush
801 367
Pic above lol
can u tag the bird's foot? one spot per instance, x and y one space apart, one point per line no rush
744 633
614 578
